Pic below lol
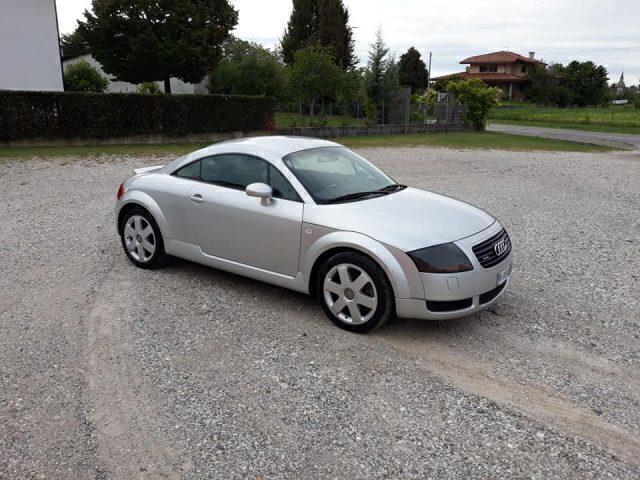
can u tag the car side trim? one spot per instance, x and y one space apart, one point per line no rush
194 253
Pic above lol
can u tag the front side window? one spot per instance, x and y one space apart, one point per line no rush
336 173
281 186
234 171
488 68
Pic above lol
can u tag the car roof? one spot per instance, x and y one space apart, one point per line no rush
277 145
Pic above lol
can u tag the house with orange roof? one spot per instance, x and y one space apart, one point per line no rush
505 70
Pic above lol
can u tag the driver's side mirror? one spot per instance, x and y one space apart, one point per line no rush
262 191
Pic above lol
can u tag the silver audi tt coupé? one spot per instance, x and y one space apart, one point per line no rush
313 216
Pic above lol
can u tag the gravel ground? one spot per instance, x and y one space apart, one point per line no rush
108 371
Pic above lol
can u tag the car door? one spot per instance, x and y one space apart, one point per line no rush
231 225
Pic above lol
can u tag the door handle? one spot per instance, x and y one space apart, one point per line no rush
196 198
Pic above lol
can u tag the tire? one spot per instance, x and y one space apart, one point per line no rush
358 284
141 239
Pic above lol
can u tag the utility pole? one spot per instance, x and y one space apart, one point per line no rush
429 73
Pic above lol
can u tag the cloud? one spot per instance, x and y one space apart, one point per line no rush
455 29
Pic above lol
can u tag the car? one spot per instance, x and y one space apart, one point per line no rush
313 216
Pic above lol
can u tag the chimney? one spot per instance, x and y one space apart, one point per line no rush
531 55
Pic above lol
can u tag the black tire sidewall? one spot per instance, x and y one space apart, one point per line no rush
386 302
158 255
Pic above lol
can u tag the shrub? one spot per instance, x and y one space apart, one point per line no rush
477 98
53 115
149 88
82 77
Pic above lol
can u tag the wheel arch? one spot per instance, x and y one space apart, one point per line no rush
337 242
140 199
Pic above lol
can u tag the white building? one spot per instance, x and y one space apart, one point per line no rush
116 86
29 48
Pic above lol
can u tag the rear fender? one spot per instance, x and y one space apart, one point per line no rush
140 198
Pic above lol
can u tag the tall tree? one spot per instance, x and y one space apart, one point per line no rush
413 71
382 75
73 45
321 22
376 69
335 33
148 40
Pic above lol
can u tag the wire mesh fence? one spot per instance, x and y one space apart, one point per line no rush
403 110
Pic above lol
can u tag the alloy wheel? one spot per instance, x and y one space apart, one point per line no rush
139 238
350 294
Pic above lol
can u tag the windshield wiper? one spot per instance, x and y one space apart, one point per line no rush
354 196
392 188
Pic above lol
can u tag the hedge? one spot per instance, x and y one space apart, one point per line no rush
56 115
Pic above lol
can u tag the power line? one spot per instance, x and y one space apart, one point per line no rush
594 51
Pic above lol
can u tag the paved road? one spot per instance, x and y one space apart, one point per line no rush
112 372
620 140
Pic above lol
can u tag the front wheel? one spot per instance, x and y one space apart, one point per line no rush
355 292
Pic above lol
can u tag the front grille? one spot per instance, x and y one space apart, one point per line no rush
486 254
491 294
450 306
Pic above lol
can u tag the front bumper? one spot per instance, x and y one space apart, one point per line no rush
460 294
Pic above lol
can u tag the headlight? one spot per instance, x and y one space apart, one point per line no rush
445 258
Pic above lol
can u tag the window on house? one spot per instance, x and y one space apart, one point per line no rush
488 68
523 69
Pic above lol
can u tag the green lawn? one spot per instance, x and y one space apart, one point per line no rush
468 140
472 140
618 119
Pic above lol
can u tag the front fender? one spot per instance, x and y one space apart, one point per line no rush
144 200
405 282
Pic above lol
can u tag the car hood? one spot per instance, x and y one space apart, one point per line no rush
409 219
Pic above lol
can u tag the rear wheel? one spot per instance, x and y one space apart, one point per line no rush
355 292
141 238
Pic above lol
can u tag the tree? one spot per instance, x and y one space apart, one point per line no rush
335 33
477 98
248 68
149 40
546 87
314 75
321 22
73 45
413 71
82 77
149 88
587 82
382 74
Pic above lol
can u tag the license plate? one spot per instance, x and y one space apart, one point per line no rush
503 275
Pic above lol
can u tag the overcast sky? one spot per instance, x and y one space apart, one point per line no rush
605 31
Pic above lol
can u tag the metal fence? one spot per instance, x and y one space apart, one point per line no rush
402 109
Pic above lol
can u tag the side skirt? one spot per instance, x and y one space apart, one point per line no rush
189 251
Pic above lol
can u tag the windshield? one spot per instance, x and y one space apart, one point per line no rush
337 174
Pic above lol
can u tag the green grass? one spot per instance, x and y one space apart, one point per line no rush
286 120
618 119
468 140
472 140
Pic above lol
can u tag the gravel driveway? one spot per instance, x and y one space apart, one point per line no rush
111 372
